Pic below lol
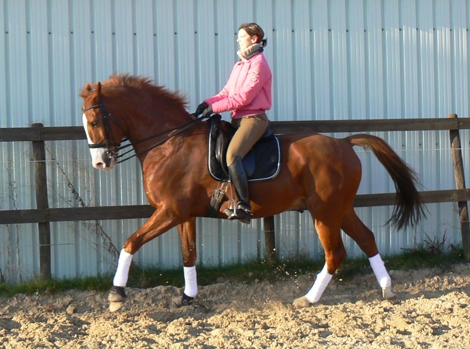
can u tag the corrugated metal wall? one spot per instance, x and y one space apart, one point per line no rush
357 59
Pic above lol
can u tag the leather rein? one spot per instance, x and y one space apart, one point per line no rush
106 116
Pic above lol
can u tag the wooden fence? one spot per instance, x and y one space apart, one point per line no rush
43 215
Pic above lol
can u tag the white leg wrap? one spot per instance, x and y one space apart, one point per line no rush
380 272
190 281
122 272
319 286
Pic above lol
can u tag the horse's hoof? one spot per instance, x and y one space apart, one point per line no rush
113 306
186 300
117 294
301 302
388 294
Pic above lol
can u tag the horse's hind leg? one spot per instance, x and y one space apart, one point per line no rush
187 233
330 237
364 237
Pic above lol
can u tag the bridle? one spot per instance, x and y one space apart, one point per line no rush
105 116
110 141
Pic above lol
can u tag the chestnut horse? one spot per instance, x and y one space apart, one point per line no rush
318 173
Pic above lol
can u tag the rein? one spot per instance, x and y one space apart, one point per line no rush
106 116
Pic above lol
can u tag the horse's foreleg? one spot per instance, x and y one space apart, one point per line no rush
120 278
187 233
364 237
157 224
335 253
117 296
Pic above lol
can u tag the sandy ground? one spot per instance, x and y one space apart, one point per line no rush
432 311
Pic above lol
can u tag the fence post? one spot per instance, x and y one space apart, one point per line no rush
39 156
460 184
270 240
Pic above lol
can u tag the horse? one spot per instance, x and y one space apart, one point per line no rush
317 173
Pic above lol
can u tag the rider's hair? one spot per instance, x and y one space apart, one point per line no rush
253 29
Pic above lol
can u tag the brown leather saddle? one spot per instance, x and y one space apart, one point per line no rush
261 163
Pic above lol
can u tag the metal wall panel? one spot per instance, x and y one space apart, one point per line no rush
330 59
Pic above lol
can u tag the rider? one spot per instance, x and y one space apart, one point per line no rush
248 94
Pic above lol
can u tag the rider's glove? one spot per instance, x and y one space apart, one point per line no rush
200 108
207 112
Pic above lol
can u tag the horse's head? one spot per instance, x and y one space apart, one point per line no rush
100 128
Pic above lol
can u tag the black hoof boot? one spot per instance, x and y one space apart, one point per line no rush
186 300
117 294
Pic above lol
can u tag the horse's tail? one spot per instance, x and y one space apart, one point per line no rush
408 205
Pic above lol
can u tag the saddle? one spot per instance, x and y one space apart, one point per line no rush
261 163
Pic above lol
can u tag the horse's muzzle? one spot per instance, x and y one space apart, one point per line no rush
106 161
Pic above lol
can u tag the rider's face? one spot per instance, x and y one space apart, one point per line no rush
244 40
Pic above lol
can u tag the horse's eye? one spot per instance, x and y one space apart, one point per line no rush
94 123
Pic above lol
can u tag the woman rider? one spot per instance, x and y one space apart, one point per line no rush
248 94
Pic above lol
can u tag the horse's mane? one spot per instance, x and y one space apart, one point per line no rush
119 82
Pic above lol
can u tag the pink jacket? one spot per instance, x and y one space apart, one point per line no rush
248 89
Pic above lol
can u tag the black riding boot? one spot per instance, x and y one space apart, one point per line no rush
239 180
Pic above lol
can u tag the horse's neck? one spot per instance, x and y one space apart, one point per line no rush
153 129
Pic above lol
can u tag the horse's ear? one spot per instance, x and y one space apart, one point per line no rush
98 89
86 90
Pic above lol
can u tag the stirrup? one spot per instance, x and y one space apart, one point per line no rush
242 213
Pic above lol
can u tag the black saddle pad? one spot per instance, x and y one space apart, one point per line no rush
261 163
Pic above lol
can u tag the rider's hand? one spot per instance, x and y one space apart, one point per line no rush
200 108
207 112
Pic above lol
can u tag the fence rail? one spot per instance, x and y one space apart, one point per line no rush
145 211
43 215
15 134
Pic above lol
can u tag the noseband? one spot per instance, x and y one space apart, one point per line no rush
107 116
